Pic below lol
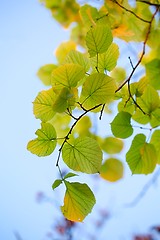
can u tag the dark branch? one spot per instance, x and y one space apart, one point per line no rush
149 3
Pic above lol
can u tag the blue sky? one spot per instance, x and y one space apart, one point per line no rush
28 38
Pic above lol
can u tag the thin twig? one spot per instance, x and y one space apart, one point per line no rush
71 129
142 54
144 189
100 117
149 3
130 11
131 62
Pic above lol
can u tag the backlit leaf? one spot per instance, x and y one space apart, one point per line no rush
83 155
121 125
78 201
97 89
89 15
153 73
112 145
112 170
56 183
44 73
42 105
155 140
69 175
63 49
45 143
141 156
67 75
78 58
98 39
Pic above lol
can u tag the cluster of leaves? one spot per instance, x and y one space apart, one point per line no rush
87 82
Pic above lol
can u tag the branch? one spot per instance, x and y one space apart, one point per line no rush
144 190
72 127
142 54
149 3
130 11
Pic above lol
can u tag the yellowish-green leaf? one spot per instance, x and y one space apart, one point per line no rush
78 58
46 141
89 15
44 73
42 105
83 155
112 170
67 75
121 125
141 157
63 49
108 60
56 183
112 145
98 39
155 140
65 99
78 201
83 126
69 175
97 89
153 73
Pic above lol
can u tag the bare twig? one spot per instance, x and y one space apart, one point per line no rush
100 117
130 11
144 190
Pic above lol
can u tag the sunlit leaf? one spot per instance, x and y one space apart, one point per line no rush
153 73
112 145
44 73
112 170
83 155
89 15
83 126
56 183
45 143
42 105
78 58
141 156
155 140
97 89
98 39
67 75
63 49
121 125
78 201
69 175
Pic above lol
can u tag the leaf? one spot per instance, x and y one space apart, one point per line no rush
112 170
67 75
141 156
89 15
44 73
84 155
78 58
64 100
112 145
153 73
97 89
56 183
121 126
107 60
78 201
69 175
83 126
98 39
63 49
46 141
155 140
42 105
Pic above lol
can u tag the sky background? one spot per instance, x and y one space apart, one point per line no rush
28 38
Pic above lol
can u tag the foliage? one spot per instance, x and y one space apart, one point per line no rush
85 82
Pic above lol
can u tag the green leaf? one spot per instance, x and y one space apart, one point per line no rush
153 73
63 49
84 155
83 126
44 73
69 175
97 89
42 105
98 39
112 145
112 170
121 126
56 183
78 58
67 75
89 15
107 60
141 156
64 100
78 201
155 140
45 143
